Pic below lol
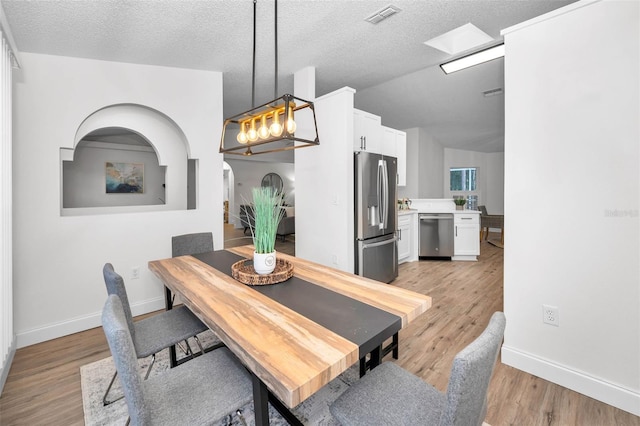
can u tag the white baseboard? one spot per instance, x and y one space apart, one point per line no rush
82 323
617 396
6 366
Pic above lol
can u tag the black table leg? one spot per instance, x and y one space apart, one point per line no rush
284 411
168 304
260 401
376 357
396 343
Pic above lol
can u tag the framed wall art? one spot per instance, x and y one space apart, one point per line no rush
124 178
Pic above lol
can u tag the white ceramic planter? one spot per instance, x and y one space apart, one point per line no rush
264 263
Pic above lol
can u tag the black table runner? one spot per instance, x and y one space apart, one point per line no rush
365 325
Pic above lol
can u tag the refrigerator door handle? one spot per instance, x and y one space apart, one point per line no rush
384 223
380 194
380 243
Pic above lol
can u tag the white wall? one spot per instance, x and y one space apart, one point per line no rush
425 160
572 188
494 181
58 260
249 174
490 176
430 164
84 177
324 186
7 330
410 190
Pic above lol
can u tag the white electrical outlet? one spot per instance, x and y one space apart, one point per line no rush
135 273
551 315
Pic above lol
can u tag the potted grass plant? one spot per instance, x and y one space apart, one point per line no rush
267 213
460 201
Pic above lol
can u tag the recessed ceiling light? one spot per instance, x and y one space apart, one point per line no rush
460 39
382 14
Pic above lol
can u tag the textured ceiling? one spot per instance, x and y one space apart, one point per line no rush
393 72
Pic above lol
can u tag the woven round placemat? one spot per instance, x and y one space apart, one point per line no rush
243 271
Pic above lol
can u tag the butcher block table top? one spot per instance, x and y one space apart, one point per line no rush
298 335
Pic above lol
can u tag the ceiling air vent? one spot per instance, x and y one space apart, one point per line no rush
382 14
492 92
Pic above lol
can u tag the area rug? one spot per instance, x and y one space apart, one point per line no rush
95 378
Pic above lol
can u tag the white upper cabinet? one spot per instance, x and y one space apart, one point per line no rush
389 142
394 144
367 132
370 135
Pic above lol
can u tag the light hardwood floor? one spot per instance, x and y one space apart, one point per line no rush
43 386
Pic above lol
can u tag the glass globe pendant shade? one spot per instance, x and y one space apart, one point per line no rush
276 127
252 134
291 124
242 135
263 131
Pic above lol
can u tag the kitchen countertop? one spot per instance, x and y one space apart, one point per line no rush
436 205
413 211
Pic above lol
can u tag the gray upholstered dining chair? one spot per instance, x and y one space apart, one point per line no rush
155 333
218 384
197 243
390 395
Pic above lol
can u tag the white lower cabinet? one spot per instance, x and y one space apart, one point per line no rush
466 240
406 237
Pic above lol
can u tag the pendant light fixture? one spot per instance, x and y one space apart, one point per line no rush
283 124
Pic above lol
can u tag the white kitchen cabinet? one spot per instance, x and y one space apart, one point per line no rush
404 238
389 142
407 236
394 144
367 132
466 240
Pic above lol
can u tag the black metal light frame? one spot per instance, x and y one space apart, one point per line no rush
290 140
288 103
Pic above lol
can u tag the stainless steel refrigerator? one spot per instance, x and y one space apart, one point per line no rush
376 216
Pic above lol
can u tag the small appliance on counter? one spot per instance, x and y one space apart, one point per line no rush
376 255
404 204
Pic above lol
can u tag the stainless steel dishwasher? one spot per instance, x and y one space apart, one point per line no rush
436 234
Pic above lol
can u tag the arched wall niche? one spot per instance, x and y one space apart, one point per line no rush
169 146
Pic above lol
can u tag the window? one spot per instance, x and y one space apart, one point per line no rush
463 182
463 179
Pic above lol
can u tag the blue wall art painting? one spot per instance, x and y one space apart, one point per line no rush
125 178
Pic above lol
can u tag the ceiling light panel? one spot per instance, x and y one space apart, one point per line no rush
382 14
476 58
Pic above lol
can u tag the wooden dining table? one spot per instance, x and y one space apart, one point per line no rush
295 336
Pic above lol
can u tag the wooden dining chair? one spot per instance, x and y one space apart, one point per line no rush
217 383
155 333
390 395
